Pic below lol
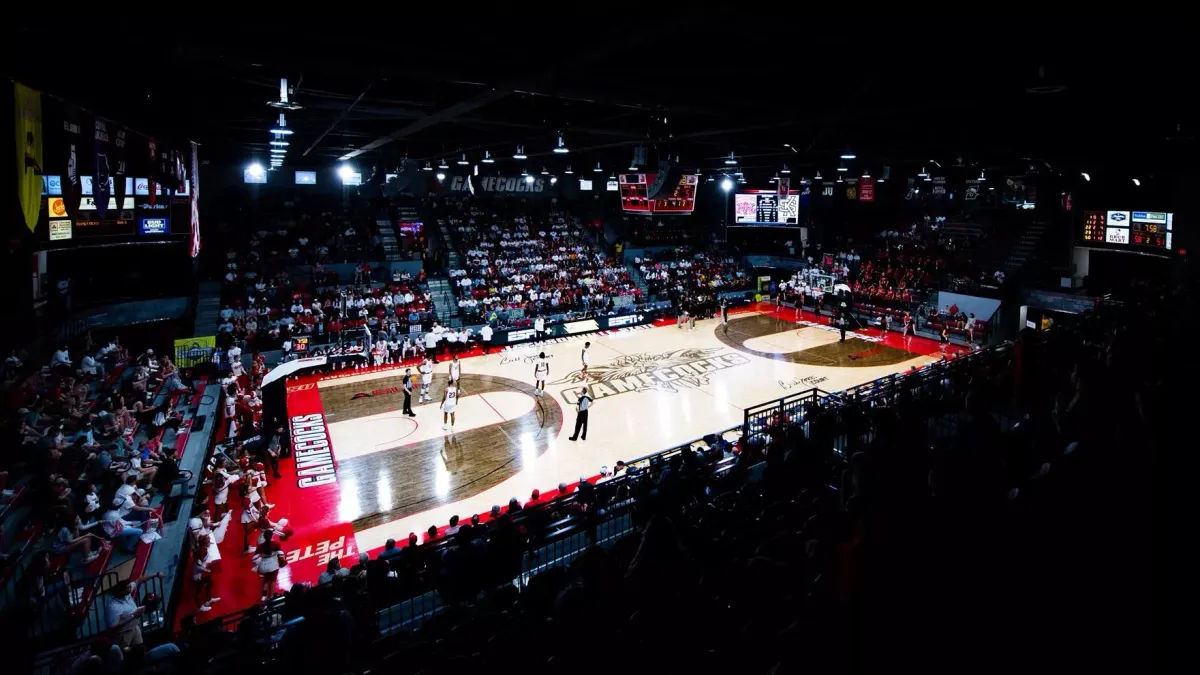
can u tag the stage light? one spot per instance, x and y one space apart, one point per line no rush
428 167
731 160
528 179
726 185
1086 177
255 169
441 176
345 172
561 148
849 154
443 165
598 169
520 153
1137 182
568 171
462 161
785 171
553 180
487 158
280 143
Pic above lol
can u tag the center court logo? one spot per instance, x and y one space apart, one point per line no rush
669 371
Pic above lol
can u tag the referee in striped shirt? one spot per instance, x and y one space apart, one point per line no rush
581 416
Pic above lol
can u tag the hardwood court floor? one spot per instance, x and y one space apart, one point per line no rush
653 387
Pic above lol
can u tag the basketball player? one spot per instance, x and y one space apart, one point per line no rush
908 328
724 316
539 329
585 357
541 370
455 369
426 369
449 405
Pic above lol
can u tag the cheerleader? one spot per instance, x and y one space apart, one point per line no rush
908 328
250 517
202 575
258 371
944 338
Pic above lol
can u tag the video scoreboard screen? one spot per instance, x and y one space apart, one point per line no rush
677 199
766 208
1129 229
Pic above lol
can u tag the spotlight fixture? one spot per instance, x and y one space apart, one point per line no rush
785 171
345 172
726 185
561 148
1085 175
487 158
528 179
568 171
849 154
462 161
553 180
598 169
520 153
428 167
443 165
731 160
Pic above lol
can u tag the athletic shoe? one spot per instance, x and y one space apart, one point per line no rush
204 608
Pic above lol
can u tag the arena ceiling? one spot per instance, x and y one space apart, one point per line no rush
771 90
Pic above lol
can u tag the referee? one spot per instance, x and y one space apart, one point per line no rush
581 417
408 390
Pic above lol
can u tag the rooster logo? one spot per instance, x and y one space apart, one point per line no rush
628 368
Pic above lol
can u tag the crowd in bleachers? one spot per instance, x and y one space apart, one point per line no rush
682 271
531 262
92 448
939 520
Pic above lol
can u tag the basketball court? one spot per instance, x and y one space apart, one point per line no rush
364 472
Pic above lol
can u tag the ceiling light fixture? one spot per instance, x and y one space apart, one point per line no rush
849 154
442 164
866 173
462 161
487 158
345 172
280 143
785 170
731 160
568 171
553 180
520 153
528 179
982 177
598 169
441 176
818 176
923 174
561 148
726 185
428 167
545 172
842 168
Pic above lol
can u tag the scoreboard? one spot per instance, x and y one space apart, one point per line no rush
677 199
1146 230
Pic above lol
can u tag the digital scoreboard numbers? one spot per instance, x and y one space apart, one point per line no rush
1129 229
1093 226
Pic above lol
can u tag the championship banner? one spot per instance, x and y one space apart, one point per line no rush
72 188
118 163
785 184
152 147
866 190
191 352
29 151
100 183
195 200
939 187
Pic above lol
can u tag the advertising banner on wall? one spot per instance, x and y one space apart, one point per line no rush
539 186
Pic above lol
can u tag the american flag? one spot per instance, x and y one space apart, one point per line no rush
195 238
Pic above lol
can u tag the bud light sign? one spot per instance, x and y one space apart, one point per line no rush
154 225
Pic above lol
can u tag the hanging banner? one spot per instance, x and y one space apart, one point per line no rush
939 187
29 151
852 193
72 188
151 187
785 183
118 163
100 187
195 200
972 192
866 190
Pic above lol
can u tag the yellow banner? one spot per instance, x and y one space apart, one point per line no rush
190 352
29 151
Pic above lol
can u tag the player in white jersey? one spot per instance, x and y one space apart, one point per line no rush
449 405
426 369
541 370
585 357
455 369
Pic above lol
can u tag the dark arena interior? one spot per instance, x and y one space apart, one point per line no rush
702 342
